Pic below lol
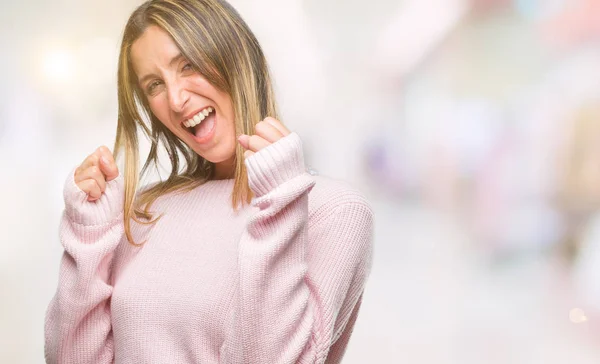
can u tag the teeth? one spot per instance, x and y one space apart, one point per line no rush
198 118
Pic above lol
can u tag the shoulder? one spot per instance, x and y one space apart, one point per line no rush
334 196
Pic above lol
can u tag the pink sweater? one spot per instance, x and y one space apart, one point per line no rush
280 281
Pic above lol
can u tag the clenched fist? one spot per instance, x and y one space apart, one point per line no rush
97 169
268 131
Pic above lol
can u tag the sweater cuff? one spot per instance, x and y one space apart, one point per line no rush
100 212
275 164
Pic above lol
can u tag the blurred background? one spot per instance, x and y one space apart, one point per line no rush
472 126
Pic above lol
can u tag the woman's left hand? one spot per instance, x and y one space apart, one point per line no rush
267 131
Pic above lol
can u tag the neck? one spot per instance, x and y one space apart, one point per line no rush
225 169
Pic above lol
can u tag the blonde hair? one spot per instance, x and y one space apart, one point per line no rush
218 43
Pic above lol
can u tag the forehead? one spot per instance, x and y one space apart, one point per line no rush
154 49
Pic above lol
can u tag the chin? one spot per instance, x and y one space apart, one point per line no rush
219 156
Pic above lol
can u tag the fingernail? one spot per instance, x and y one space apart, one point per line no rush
104 161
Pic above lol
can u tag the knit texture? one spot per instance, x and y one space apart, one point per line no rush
279 281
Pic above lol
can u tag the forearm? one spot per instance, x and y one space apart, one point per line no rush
275 310
78 324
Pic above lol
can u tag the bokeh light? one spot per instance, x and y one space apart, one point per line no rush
58 66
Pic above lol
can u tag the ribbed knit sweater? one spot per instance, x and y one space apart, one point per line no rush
279 281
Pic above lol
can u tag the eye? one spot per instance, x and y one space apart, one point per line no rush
152 86
187 67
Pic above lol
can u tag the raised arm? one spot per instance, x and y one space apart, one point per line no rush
78 323
293 303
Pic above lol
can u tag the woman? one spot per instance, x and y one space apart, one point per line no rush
252 259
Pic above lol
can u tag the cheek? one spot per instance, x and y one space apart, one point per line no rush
198 81
159 109
226 105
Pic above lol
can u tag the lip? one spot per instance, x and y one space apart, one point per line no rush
191 115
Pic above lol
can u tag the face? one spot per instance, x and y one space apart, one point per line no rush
178 95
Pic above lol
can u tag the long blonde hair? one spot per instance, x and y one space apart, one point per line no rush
218 43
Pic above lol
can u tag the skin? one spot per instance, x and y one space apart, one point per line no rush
174 90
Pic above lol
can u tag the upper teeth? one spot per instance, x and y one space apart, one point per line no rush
198 117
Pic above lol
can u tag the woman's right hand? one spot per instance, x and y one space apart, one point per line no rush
97 169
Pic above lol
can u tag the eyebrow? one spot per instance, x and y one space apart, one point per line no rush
177 57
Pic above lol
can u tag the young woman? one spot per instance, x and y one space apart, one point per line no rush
251 260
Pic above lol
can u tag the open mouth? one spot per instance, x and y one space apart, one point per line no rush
202 123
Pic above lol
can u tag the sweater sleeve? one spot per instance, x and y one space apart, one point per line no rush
78 322
291 307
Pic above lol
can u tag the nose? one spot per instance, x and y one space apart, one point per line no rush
178 96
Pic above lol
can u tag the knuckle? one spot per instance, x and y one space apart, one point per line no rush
252 140
272 121
261 126
84 186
